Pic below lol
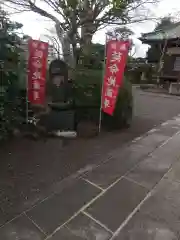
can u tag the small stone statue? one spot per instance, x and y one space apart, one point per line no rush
60 115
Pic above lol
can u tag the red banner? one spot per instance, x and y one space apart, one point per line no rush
37 64
117 52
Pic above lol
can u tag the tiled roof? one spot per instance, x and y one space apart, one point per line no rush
171 32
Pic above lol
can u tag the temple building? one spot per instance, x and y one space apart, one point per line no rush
167 56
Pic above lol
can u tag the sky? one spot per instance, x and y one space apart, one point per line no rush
36 26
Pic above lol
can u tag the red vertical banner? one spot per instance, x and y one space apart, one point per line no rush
37 66
117 52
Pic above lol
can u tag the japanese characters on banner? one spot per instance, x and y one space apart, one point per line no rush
37 64
117 52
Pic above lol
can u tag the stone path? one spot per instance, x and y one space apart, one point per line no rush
134 194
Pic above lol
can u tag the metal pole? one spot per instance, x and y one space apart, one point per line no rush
27 85
27 105
103 72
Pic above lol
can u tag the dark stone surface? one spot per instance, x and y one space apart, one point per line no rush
124 160
57 209
65 234
174 173
149 172
117 166
116 204
168 130
146 227
153 140
162 208
169 190
172 123
170 152
85 228
159 216
20 228
134 152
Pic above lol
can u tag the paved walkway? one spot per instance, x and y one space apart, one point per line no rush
134 194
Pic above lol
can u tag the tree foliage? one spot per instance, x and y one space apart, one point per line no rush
120 33
9 66
77 20
165 22
155 51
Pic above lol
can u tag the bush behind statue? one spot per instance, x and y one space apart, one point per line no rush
88 97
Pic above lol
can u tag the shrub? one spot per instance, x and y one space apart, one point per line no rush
134 73
87 96
11 66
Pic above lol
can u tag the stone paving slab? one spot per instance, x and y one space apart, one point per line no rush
175 122
174 173
146 227
168 130
117 166
117 203
7 211
82 227
136 149
162 209
86 227
159 215
170 190
64 234
57 209
171 150
149 172
123 160
153 140
21 228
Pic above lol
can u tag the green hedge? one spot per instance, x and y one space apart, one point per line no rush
88 97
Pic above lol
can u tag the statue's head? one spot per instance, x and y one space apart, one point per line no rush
58 72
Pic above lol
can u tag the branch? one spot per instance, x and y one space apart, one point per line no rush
42 12
57 7
15 10
131 21
124 15
28 5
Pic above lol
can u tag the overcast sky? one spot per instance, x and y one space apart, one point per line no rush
36 26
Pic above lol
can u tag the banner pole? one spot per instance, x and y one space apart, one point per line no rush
27 85
103 72
27 105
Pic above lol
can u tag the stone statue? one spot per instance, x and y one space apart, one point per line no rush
61 114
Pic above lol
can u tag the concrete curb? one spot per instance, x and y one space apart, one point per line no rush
160 95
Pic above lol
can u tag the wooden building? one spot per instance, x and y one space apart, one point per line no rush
167 43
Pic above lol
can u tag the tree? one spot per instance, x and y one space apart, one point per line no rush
120 33
123 33
164 23
98 50
154 52
9 65
77 20
54 41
